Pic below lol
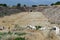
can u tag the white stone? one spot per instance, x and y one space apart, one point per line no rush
33 27
43 28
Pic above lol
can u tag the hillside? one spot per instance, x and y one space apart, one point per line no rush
44 16
24 19
53 14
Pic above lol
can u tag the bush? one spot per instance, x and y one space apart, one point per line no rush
37 27
34 5
17 26
5 5
4 33
20 38
10 33
52 22
20 34
57 3
1 15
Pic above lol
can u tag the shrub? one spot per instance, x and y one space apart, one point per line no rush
37 27
52 22
10 32
4 33
20 34
19 38
57 3
17 26
5 5
34 5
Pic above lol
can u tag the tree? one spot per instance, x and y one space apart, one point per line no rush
18 5
57 3
52 4
24 5
34 5
43 5
5 5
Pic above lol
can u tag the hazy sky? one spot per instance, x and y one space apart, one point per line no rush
28 2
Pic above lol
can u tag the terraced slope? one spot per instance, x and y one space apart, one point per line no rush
53 14
31 18
24 19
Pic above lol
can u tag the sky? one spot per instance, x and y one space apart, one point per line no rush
28 2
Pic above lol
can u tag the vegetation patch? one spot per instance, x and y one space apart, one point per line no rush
4 33
20 38
20 34
37 27
10 33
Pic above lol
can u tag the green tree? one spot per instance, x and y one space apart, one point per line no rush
57 3
18 5
43 5
5 5
34 5
24 5
52 4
